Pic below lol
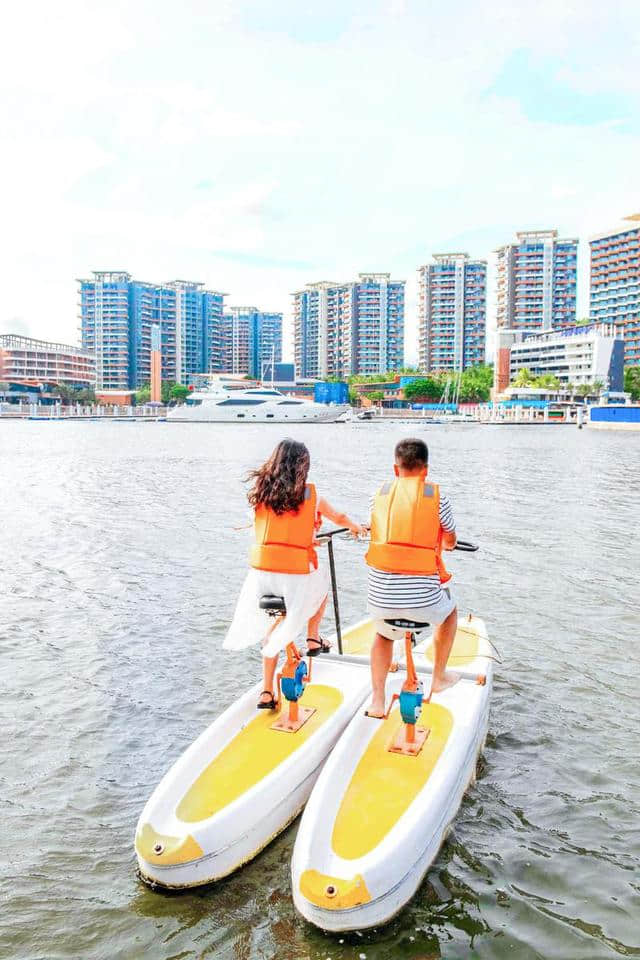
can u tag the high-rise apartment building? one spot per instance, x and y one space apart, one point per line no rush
537 282
248 338
345 328
452 312
615 283
118 312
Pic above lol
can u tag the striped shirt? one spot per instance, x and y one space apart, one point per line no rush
399 591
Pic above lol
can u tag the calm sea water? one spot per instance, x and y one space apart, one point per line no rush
121 559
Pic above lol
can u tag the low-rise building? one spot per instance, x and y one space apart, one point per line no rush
40 363
577 355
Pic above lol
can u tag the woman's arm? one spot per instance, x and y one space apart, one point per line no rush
325 509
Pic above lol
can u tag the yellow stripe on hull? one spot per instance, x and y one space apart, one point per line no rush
166 851
465 649
359 638
385 784
252 755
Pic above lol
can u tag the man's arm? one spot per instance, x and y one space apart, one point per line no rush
449 540
448 524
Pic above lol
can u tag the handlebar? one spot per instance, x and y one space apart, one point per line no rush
463 545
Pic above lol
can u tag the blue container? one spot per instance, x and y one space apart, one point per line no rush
331 392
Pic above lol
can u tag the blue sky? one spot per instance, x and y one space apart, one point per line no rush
258 146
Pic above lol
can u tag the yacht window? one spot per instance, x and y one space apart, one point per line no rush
193 402
290 403
269 416
245 402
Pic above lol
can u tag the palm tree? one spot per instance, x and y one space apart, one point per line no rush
632 382
523 378
547 381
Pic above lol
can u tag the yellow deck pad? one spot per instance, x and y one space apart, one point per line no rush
384 784
359 638
253 754
465 649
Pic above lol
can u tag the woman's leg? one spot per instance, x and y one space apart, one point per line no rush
268 674
313 628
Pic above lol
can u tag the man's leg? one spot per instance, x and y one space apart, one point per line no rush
443 637
381 654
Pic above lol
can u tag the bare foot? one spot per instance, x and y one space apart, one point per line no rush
375 710
448 679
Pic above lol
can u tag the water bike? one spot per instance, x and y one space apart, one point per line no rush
387 796
250 772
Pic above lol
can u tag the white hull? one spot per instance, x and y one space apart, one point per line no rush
614 416
213 410
203 821
613 426
352 868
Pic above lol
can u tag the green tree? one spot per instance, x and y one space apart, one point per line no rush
86 396
375 395
632 382
476 383
179 392
427 388
69 393
65 391
165 390
143 394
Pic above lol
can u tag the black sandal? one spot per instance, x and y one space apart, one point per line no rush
323 647
267 704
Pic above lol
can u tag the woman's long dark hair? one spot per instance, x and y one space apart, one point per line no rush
280 482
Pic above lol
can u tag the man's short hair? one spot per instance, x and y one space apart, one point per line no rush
412 453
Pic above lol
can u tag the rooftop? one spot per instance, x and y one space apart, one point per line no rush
12 341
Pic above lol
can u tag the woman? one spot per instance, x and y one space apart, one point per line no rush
287 513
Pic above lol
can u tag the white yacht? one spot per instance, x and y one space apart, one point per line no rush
217 404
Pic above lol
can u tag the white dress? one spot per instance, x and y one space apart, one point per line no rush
303 593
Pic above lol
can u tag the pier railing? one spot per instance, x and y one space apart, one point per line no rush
79 411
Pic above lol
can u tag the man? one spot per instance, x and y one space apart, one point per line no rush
411 523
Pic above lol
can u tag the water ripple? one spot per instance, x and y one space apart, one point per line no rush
122 559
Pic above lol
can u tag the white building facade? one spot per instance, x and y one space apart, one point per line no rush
577 355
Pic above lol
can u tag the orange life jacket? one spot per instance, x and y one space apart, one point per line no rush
406 536
284 542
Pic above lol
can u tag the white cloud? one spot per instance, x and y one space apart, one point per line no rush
166 139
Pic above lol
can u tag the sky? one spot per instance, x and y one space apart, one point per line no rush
258 145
